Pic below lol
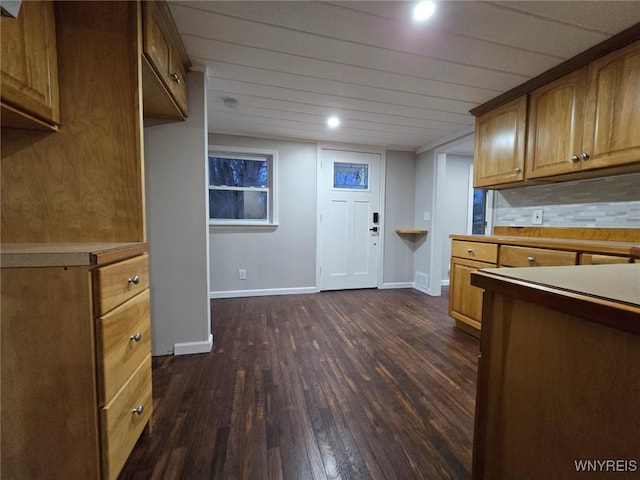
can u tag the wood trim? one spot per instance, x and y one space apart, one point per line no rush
607 234
635 252
18 255
619 40
119 253
612 314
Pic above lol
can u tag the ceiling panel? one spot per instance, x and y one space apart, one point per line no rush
393 82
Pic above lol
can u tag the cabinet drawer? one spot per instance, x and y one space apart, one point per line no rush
117 283
597 259
482 252
121 425
534 257
124 340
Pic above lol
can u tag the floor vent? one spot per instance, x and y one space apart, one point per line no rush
422 279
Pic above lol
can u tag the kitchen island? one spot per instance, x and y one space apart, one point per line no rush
559 377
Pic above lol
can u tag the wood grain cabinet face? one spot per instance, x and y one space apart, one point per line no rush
29 87
500 145
512 256
555 126
165 53
612 127
588 119
465 300
80 387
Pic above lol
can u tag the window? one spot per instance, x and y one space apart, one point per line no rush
479 208
241 186
352 176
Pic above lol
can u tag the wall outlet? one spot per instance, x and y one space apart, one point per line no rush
242 274
427 216
536 216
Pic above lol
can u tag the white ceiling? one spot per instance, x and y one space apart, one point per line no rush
393 82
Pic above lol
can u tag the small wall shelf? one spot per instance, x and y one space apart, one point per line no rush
413 232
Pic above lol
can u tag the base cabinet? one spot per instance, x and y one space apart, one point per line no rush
465 300
557 389
76 381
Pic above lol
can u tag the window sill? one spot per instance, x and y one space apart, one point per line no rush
242 227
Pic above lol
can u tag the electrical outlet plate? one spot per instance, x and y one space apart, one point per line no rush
536 216
242 274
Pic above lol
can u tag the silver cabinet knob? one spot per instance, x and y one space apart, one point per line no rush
175 78
531 259
584 156
136 338
135 280
469 251
138 410
517 170
575 158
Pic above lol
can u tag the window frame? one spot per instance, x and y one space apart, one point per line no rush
243 153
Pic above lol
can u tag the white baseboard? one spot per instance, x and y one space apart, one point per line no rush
444 283
262 292
396 285
189 348
421 289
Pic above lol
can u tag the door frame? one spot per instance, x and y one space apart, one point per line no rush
383 167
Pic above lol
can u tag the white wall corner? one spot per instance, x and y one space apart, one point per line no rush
189 348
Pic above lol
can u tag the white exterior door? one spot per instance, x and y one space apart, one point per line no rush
349 232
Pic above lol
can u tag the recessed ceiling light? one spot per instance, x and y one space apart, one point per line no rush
423 10
333 122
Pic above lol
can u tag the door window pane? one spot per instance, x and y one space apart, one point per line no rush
351 176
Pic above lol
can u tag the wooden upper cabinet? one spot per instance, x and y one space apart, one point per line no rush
555 126
166 64
612 121
500 144
29 68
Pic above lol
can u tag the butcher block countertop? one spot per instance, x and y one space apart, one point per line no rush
606 294
585 246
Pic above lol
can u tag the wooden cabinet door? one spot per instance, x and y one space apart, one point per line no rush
500 144
612 128
29 64
160 37
555 125
465 300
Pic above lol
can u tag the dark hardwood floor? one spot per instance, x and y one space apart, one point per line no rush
348 384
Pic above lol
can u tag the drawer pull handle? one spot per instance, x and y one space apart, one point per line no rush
135 280
138 410
136 338
469 251
531 259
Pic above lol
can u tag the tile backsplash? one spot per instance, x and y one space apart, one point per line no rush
598 202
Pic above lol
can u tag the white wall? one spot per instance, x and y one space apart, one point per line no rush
399 214
425 178
176 196
455 203
277 260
